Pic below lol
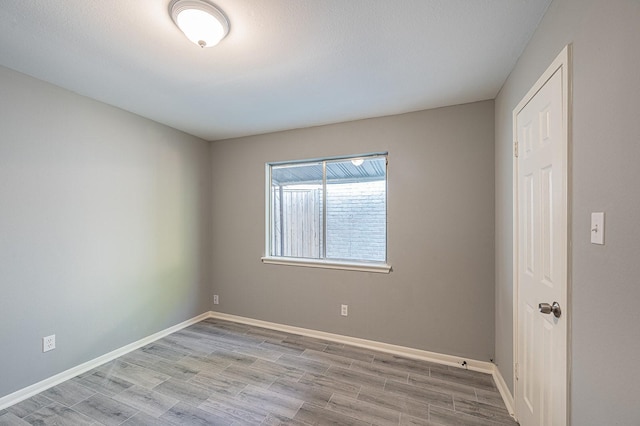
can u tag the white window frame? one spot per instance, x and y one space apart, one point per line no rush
376 267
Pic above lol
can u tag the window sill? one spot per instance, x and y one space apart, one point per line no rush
381 268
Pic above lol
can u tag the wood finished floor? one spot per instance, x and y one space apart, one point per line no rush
223 373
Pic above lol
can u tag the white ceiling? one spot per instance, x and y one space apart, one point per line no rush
285 63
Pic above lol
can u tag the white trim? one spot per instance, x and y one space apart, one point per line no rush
45 384
381 268
267 209
504 390
419 354
331 158
561 62
323 263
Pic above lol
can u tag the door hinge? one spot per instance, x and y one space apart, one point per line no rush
515 148
517 374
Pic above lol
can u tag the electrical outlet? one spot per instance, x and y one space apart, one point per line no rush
215 299
49 343
344 311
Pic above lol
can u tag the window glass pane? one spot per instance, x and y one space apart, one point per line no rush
357 209
296 210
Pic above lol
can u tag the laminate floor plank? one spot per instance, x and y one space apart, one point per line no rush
68 393
305 364
304 391
380 370
105 410
314 415
397 403
29 406
138 375
10 419
185 414
150 402
58 414
364 411
142 419
100 382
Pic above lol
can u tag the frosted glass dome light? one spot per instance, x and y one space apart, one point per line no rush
201 22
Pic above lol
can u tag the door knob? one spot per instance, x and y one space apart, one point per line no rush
546 308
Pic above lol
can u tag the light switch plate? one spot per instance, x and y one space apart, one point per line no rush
597 228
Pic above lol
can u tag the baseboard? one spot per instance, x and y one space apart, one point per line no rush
481 366
504 390
45 384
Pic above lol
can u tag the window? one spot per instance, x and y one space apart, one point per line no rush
328 213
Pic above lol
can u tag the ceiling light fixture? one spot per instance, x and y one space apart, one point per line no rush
357 162
202 23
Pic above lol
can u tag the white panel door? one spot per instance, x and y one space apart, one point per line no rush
541 367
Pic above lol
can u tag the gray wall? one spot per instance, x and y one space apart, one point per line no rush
104 228
439 296
606 177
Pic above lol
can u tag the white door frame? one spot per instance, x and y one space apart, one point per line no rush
563 62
